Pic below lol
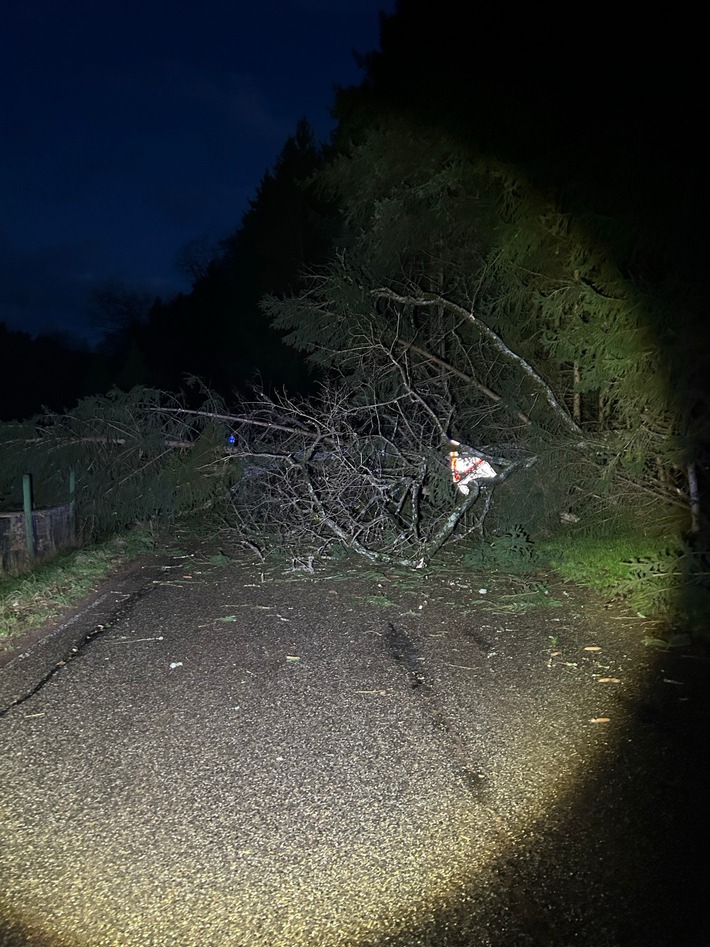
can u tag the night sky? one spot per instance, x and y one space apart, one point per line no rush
130 127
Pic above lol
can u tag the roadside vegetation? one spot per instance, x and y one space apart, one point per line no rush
34 599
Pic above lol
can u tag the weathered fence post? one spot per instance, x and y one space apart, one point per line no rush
27 507
72 507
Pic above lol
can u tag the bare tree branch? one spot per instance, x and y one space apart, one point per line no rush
434 299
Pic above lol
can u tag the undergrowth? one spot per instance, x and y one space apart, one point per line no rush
665 580
659 579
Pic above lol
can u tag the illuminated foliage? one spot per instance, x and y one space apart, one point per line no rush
457 279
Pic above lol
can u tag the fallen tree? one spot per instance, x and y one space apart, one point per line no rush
301 475
373 478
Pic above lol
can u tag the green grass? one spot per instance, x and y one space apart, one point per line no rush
601 564
657 577
646 573
31 600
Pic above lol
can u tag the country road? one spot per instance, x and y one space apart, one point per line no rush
216 753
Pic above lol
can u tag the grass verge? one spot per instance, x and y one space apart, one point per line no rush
666 581
33 599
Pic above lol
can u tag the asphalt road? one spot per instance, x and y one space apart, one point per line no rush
212 754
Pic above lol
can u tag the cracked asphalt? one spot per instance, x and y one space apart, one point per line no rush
219 753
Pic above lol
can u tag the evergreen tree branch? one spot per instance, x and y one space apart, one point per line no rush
469 379
435 299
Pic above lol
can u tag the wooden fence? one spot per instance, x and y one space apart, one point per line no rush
28 535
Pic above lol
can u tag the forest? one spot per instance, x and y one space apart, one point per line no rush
507 261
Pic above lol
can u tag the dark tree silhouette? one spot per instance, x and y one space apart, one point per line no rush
217 331
47 371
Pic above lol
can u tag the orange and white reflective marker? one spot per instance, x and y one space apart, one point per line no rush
466 466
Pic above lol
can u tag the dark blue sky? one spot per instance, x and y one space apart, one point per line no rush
129 127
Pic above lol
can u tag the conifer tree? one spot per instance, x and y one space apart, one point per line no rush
458 278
